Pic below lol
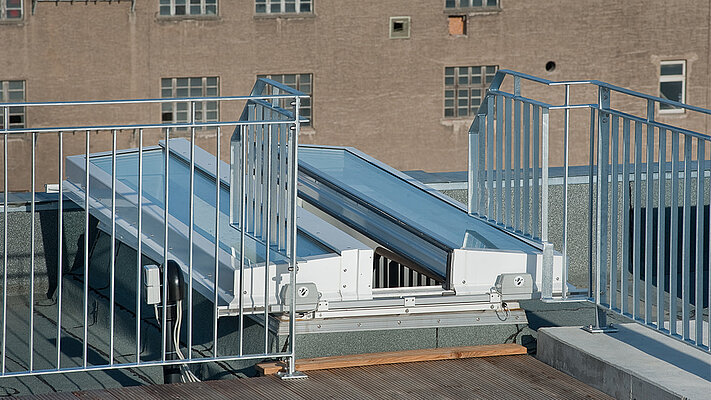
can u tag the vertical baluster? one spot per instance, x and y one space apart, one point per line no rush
699 290
473 171
5 177
602 207
636 244
661 227
60 240
244 133
490 156
536 175
139 246
508 219
544 175
686 250
614 212
112 266
517 166
32 253
499 158
624 273
526 169
649 228
217 243
591 200
191 227
86 253
481 166
267 237
164 295
674 235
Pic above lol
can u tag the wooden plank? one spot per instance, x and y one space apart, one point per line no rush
396 357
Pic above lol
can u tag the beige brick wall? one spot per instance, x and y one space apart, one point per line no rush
384 96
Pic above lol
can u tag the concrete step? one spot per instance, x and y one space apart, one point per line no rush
634 363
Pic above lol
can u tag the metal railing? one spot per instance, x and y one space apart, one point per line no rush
647 239
275 119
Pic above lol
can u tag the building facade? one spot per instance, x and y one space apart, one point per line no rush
400 79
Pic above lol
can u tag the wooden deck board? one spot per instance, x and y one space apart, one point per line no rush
397 357
491 378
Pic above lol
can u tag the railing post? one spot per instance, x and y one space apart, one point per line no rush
544 173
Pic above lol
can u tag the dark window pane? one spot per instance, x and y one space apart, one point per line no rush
491 3
179 10
672 69
463 3
450 4
167 117
448 112
16 119
670 91
476 3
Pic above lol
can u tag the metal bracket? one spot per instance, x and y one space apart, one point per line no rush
286 376
600 329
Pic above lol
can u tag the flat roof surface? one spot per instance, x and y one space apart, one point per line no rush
496 378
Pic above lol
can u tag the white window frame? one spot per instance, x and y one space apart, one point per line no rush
13 111
4 9
188 8
203 109
673 78
269 4
458 6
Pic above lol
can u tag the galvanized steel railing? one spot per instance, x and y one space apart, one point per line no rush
280 114
651 268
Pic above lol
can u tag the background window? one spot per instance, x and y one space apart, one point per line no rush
282 6
179 112
672 84
188 7
10 10
464 87
301 82
466 4
13 92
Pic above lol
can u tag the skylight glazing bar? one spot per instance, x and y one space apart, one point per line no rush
32 253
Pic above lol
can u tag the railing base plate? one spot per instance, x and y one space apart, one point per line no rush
285 375
600 329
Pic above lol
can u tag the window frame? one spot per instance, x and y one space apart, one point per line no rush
4 10
202 108
188 8
298 78
458 7
673 78
486 77
21 111
269 4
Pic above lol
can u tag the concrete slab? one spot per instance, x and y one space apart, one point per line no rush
634 363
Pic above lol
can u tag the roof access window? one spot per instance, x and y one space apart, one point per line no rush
464 87
10 10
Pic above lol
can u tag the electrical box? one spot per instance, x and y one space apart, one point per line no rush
306 296
151 284
515 286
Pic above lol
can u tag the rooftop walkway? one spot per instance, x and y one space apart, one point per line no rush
500 377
